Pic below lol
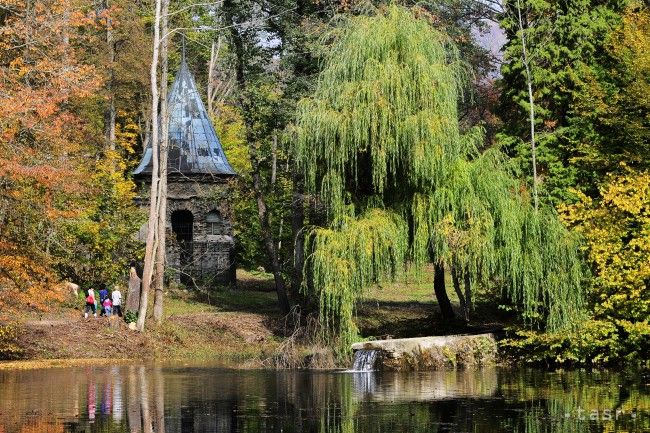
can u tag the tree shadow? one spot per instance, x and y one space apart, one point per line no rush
408 319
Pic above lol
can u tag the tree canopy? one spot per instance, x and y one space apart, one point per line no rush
380 143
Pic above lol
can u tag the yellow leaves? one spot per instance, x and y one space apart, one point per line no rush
617 228
231 131
631 41
126 132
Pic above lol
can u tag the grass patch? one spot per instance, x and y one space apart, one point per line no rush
183 302
410 286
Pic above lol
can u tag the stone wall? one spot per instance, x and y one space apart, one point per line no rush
433 353
212 258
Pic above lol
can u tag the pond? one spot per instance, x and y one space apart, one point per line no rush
154 398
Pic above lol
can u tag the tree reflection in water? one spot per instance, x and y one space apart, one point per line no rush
143 399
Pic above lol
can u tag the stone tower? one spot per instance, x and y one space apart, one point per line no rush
200 244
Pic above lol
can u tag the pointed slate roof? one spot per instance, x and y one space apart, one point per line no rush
194 148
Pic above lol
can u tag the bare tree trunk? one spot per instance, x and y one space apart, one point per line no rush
468 294
271 250
265 226
298 236
214 55
147 422
150 248
109 119
441 293
459 292
159 278
219 84
274 156
531 102
159 396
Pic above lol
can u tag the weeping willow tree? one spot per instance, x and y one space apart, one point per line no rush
380 143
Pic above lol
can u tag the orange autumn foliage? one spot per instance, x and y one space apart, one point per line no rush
43 141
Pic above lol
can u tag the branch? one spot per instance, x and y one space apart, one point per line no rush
191 6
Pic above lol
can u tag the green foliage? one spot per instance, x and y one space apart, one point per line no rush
609 121
384 110
594 342
381 132
97 245
131 316
563 38
482 226
346 261
231 131
607 126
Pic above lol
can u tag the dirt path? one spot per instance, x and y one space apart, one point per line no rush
196 335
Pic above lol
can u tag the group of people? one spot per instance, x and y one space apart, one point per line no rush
107 303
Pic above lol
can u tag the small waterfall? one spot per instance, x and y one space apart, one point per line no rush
365 360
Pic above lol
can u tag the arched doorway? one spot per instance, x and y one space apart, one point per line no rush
183 228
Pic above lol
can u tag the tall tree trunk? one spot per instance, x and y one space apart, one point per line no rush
459 292
150 248
147 421
441 293
531 101
109 120
212 90
159 278
298 235
274 159
265 226
468 294
159 399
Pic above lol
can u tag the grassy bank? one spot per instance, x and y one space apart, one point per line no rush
240 326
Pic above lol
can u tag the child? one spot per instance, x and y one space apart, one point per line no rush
90 304
108 307
103 294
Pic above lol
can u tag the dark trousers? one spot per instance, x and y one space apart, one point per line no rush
117 309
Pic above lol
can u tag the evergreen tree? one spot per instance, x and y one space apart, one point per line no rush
562 38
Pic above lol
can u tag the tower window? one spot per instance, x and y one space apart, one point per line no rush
214 222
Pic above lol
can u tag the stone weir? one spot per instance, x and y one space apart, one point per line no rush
431 353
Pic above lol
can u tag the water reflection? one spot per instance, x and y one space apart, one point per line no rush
143 399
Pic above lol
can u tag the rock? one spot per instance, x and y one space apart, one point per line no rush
72 288
427 353
132 326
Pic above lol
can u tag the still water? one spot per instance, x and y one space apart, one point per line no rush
149 398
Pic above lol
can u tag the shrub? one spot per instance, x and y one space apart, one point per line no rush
595 342
9 348
131 316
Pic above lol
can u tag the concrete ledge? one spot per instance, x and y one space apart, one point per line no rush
432 353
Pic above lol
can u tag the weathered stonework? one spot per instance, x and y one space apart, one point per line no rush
200 244
432 353
210 258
